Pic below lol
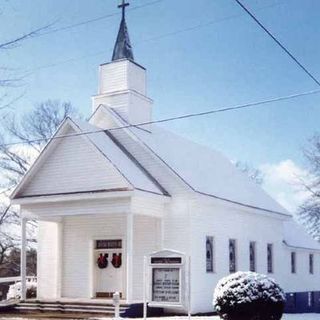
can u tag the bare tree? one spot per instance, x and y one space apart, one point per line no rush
309 211
253 173
33 130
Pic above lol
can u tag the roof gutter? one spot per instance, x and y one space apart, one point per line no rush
300 248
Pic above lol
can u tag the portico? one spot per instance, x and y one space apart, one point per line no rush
70 242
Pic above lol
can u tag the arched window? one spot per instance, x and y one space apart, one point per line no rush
252 256
270 257
232 256
209 254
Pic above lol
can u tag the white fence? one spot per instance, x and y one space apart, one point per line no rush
15 286
16 279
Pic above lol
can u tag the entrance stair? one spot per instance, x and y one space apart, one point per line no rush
70 307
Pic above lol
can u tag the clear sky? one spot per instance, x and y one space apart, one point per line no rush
200 55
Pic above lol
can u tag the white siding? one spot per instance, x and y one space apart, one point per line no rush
113 77
79 232
119 101
224 223
122 75
136 78
176 225
73 165
146 239
48 260
148 205
140 109
131 106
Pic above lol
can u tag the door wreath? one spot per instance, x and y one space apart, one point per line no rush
116 260
102 261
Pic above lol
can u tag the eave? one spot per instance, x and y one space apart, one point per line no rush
73 196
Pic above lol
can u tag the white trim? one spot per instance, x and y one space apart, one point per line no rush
155 196
129 256
207 199
60 258
73 197
120 92
23 263
300 248
92 273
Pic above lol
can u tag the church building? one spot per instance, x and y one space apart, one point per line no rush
110 191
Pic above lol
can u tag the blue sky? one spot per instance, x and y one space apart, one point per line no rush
225 59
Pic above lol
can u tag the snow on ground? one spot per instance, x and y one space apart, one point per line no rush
304 316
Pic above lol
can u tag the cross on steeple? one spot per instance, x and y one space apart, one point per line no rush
122 48
123 6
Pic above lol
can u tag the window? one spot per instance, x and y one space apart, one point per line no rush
252 256
311 263
232 255
310 299
270 257
209 254
293 262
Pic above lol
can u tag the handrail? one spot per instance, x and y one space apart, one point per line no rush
15 279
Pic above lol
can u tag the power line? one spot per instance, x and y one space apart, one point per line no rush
286 50
158 37
190 115
85 22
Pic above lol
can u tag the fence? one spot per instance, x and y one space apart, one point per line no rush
5 282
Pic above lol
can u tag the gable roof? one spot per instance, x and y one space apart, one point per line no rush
138 176
131 171
204 170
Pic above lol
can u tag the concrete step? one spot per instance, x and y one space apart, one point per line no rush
68 307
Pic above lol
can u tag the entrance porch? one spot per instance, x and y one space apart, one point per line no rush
74 234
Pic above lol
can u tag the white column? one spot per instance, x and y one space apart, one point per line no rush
129 250
59 257
23 263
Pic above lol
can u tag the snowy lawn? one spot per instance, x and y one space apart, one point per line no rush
304 316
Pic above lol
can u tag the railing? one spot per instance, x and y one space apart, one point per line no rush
12 280
16 279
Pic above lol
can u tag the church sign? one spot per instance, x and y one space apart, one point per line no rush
166 285
167 279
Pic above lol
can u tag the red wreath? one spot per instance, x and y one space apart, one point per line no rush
116 260
102 261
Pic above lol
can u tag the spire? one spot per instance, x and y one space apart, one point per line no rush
122 48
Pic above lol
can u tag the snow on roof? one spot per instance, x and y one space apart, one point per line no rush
129 169
296 236
205 170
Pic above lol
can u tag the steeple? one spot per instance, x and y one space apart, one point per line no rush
122 48
122 84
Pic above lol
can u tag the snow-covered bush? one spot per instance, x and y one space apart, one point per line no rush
248 296
14 291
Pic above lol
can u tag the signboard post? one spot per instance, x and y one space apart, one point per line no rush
167 281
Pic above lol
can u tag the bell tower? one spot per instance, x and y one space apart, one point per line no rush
122 82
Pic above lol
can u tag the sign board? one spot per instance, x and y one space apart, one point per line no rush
166 285
109 244
167 279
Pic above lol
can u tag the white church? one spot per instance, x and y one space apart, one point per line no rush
108 193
